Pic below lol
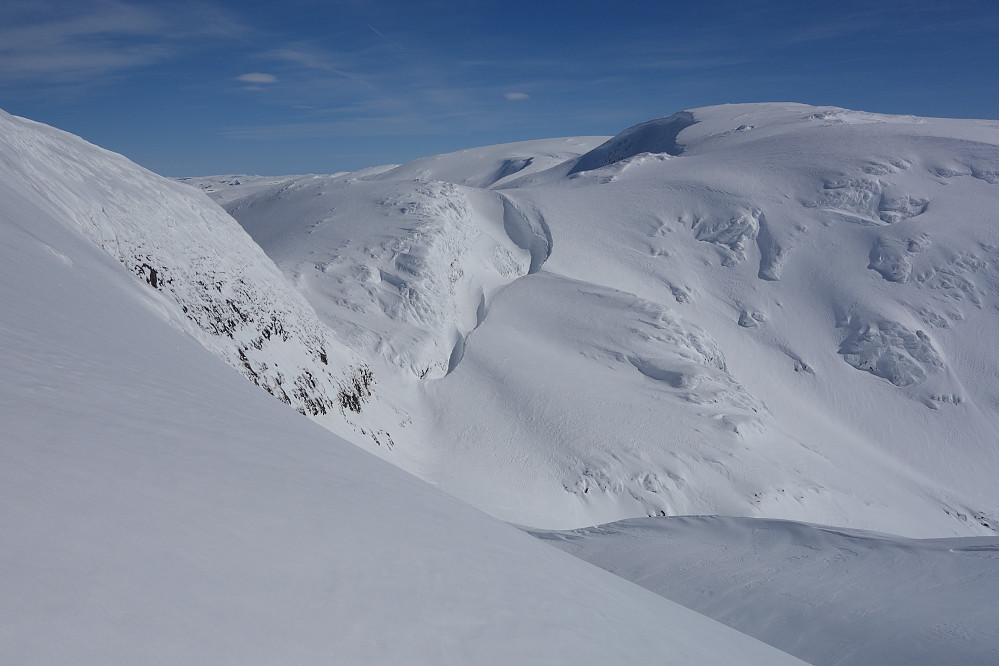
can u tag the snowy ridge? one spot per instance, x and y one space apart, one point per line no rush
217 283
494 167
845 266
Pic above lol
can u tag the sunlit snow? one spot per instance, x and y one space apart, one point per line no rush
775 316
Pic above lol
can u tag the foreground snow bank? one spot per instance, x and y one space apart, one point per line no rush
827 595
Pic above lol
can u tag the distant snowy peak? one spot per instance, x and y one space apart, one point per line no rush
494 166
224 189
218 285
729 125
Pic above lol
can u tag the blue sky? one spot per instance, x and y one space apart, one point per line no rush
298 86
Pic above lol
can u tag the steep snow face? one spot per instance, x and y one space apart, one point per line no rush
828 596
159 509
652 137
402 271
761 310
214 281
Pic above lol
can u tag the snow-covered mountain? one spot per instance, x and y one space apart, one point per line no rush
766 310
157 508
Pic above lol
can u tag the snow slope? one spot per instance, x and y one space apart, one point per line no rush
215 282
754 310
160 509
828 596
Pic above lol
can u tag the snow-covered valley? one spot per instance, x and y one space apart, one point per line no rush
766 311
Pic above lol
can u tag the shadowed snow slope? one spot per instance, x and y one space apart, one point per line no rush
761 310
654 136
157 508
826 595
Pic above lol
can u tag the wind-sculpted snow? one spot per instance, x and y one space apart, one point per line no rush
889 350
868 201
731 234
654 136
888 257
528 233
218 285
844 264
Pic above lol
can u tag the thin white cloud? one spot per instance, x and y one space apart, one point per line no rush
257 77
57 41
516 96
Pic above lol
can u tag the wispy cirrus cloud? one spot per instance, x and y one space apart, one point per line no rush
57 41
316 60
887 21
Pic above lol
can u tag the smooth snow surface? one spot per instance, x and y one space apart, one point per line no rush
158 508
826 595
769 310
